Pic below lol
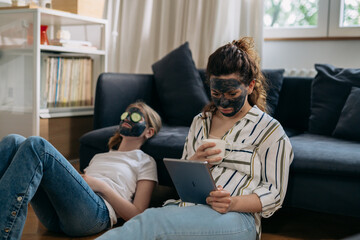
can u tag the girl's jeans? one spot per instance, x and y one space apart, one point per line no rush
32 170
196 223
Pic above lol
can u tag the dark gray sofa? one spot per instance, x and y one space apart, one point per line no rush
325 173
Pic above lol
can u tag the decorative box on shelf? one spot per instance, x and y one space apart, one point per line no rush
90 8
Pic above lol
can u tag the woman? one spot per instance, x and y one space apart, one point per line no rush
116 184
252 179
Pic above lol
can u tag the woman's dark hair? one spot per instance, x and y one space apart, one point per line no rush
240 58
152 119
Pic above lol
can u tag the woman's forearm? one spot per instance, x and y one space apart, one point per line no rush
246 203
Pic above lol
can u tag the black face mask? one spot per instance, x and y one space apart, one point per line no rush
223 86
135 118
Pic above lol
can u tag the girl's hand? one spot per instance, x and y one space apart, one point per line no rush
204 154
95 184
220 200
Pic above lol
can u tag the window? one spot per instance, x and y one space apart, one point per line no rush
350 13
311 18
291 13
345 18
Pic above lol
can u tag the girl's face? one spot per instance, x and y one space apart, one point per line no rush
132 123
228 94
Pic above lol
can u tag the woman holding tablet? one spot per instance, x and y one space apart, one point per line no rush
251 180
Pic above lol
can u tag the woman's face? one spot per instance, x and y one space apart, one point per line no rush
228 94
132 123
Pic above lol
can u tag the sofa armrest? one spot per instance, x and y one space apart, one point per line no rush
115 91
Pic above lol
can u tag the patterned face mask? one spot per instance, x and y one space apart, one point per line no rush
132 123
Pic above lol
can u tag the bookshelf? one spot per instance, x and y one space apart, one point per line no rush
23 81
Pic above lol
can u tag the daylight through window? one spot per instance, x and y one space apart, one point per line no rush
291 13
311 18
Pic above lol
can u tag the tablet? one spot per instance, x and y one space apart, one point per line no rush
192 179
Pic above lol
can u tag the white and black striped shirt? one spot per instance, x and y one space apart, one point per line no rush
259 162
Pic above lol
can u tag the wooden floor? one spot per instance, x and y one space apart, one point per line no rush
286 224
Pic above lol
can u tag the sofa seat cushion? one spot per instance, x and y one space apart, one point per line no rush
169 142
99 138
325 155
290 132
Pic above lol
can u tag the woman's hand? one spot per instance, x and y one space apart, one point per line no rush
95 184
204 154
220 200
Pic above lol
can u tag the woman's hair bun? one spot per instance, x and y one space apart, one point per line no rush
244 44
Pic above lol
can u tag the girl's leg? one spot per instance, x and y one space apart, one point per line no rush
45 211
196 222
8 147
64 201
64 195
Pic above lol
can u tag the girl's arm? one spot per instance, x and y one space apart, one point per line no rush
126 209
123 207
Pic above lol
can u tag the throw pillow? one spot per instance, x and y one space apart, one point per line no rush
329 92
274 78
348 124
179 86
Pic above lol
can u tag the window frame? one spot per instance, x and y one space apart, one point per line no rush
329 17
335 30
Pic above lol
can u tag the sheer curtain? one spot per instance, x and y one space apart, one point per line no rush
143 31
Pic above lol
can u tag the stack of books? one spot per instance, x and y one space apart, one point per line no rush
67 81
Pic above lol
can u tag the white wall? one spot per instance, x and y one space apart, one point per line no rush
299 57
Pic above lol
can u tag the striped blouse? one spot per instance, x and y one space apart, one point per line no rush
259 160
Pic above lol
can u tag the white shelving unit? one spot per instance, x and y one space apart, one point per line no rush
20 64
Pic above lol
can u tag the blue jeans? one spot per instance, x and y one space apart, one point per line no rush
32 170
196 222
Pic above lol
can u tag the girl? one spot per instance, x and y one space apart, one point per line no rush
117 184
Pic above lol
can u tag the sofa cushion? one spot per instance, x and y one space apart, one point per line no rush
169 142
348 124
179 86
293 109
290 132
99 138
330 90
318 154
274 79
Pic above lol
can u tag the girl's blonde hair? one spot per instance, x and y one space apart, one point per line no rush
238 57
152 119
